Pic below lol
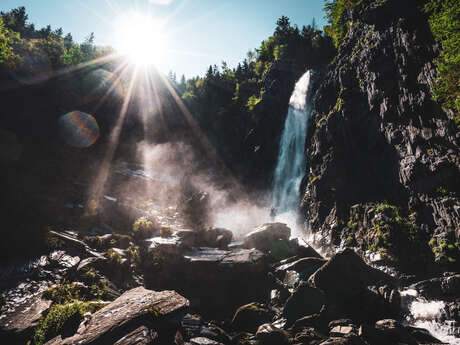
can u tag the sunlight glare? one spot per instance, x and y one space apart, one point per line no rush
140 38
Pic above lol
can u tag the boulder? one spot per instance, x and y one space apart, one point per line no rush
267 334
156 311
438 288
306 300
390 331
221 279
345 274
305 267
217 237
18 327
250 316
266 235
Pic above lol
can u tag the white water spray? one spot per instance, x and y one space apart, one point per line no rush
423 313
290 168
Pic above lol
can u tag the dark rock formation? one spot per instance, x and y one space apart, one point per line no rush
134 312
377 137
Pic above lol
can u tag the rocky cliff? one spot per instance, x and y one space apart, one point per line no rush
382 157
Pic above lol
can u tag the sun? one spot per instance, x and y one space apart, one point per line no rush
140 38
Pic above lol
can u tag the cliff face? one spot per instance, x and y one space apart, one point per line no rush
382 157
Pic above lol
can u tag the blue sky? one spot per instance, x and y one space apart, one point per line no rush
199 32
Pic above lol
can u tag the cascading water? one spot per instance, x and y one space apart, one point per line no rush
290 168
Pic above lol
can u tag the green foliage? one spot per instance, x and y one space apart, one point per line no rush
252 102
225 97
114 258
8 58
51 324
394 234
337 17
444 20
444 251
63 293
142 224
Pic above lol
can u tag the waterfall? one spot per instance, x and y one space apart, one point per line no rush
290 168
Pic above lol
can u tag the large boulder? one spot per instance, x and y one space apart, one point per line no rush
250 316
306 300
158 312
18 327
216 279
361 291
265 236
345 274
217 237
305 267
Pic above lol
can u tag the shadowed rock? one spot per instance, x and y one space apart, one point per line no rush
159 311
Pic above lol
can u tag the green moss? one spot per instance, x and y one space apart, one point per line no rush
63 293
114 257
51 324
443 250
393 233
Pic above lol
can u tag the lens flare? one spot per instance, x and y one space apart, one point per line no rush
78 129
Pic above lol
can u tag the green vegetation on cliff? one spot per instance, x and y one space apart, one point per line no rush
444 20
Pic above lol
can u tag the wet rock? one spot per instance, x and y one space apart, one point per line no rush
140 336
305 267
266 235
267 334
203 341
158 311
306 300
250 316
302 249
390 331
217 237
439 288
18 327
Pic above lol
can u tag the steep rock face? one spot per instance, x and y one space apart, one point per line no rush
260 145
377 141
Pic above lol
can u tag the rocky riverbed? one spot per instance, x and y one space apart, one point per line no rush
200 287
